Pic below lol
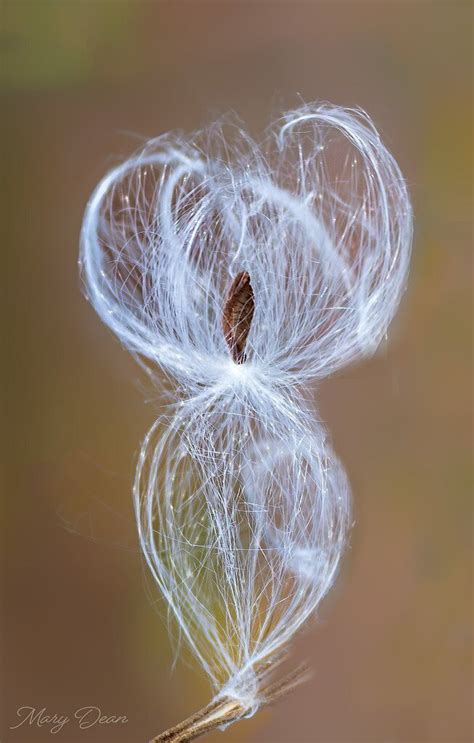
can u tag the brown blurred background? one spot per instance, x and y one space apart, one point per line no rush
391 653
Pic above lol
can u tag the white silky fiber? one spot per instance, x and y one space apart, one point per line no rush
242 506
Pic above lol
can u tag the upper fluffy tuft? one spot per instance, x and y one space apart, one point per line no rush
318 215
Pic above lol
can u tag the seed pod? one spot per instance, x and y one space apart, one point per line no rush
237 315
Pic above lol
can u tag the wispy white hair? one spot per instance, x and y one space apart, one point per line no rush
243 533
242 506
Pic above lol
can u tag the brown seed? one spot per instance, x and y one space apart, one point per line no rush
237 315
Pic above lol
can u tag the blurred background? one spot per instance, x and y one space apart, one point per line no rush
391 651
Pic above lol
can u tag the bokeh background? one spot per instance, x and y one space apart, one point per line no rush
391 652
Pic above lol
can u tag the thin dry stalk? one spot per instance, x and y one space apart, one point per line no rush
225 711
209 718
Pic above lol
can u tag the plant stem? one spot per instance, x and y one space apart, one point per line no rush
221 712
225 711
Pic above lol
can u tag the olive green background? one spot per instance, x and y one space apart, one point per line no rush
391 652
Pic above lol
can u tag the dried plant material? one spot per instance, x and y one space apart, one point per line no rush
217 714
222 712
237 315
242 506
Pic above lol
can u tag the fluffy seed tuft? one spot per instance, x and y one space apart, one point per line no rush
292 255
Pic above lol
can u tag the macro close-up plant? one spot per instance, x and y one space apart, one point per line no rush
246 272
237 499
